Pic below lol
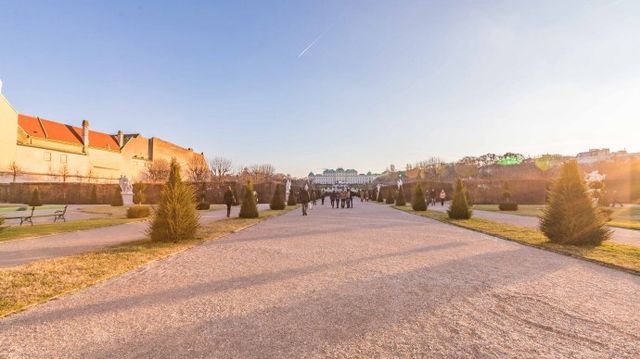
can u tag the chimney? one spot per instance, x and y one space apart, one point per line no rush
85 135
120 138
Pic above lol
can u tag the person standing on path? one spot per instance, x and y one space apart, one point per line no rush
332 198
304 199
229 200
322 199
443 196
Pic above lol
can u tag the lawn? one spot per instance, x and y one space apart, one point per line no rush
37 282
14 208
21 232
626 217
611 254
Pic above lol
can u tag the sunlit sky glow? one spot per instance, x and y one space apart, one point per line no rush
306 85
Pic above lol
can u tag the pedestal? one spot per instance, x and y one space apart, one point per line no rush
127 198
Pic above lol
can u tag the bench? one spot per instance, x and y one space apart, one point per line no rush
57 215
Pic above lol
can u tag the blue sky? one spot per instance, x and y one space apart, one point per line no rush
380 82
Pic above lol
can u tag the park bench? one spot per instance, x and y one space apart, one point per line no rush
57 215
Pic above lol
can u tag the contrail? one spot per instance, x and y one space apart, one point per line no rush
310 45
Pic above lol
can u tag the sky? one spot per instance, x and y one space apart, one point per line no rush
307 85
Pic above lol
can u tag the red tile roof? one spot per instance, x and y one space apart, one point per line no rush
51 130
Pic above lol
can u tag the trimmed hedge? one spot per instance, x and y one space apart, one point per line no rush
509 206
203 206
138 211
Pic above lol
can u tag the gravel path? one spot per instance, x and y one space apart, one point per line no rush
620 235
22 251
368 282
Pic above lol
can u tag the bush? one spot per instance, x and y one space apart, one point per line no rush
570 217
418 203
606 213
94 194
176 218
389 199
277 201
400 201
138 192
116 197
459 208
138 211
35 199
292 198
380 199
509 206
249 208
203 206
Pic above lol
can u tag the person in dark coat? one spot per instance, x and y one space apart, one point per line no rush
304 199
322 199
332 197
229 200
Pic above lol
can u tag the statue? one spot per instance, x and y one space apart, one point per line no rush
126 190
399 183
287 189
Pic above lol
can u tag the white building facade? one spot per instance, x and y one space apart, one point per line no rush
342 176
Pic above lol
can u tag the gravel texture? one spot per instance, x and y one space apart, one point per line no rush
368 282
23 251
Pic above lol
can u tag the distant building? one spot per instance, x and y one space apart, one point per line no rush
34 149
341 176
595 155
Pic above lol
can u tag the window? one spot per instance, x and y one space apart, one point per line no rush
63 158
47 156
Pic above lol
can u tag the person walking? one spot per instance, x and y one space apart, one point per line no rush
433 197
322 199
443 196
304 199
332 198
229 200
351 199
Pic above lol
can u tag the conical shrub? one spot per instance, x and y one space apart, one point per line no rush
35 198
400 201
380 197
418 203
176 218
277 201
459 208
248 208
116 197
292 198
570 216
389 198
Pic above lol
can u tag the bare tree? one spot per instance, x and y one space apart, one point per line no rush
64 172
198 170
15 170
262 172
90 175
157 171
220 168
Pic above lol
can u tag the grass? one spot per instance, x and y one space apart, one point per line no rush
14 208
610 254
30 284
626 217
28 231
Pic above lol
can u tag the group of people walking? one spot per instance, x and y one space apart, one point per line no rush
433 197
341 199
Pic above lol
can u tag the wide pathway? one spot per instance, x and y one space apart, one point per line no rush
23 251
620 235
368 282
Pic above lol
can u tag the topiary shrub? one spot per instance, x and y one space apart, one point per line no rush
418 203
292 198
203 206
248 208
459 208
138 192
389 199
570 216
116 197
94 195
138 211
277 201
400 201
35 198
380 198
506 204
176 218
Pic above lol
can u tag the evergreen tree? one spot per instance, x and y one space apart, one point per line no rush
400 201
277 201
248 208
292 198
94 194
459 208
380 198
138 192
389 197
35 199
570 216
418 203
116 197
176 218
